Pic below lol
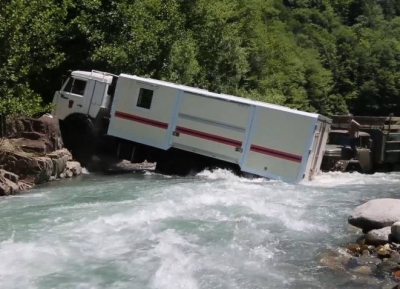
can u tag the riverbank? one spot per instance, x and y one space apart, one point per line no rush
33 153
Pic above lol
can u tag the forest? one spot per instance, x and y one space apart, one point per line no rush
331 57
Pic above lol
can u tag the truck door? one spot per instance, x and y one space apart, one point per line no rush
71 97
96 99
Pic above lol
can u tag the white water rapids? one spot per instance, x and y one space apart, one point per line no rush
213 230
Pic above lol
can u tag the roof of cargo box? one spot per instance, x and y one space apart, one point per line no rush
226 97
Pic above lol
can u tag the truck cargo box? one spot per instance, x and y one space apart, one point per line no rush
263 139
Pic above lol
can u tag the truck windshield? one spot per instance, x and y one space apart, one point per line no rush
76 86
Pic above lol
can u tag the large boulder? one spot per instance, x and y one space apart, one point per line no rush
40 135
32 153
376 214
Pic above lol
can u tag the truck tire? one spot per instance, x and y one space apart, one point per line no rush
79 137
354 167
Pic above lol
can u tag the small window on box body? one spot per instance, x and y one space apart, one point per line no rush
145 98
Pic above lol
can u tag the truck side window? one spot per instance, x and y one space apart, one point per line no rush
145 98
68 86
76 86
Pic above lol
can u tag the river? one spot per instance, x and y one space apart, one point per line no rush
212 230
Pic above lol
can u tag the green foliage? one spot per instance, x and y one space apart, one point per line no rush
325 56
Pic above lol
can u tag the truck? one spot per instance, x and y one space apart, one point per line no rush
179 126
378 145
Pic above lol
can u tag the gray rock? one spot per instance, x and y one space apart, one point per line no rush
11 176
44 170
395 257
363 270
388 267
8 187
60 154
396 231
69 174
14 188
74 167
378 237
59 166
376 214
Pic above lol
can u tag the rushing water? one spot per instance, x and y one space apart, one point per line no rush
213 230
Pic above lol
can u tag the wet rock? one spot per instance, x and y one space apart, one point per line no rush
365 253
68 174
365 247
364 270
395 257
376 214
14 188
333 260
388 284
354 249
4 188
60 158
378 237
395 230
388 267
73 169
44 170
8 175
8 187
383 251
58 154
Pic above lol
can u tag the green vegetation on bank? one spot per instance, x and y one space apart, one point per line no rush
316 55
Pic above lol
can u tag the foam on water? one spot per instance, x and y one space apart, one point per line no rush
211 230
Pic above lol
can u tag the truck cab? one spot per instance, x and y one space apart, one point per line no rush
83 106
338 154
85 93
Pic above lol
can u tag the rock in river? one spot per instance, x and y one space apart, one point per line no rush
378 237
376 214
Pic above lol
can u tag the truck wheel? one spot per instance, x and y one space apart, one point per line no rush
351 168
79 138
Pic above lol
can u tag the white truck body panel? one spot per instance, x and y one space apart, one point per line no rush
263 139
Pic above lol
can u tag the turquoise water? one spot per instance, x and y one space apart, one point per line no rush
213 230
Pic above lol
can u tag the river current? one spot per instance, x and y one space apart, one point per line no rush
212 230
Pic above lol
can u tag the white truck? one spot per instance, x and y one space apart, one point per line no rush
259 138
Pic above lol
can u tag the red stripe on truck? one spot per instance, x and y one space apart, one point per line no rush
208 136
140 119
276 153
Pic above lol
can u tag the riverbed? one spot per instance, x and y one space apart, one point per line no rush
211 230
